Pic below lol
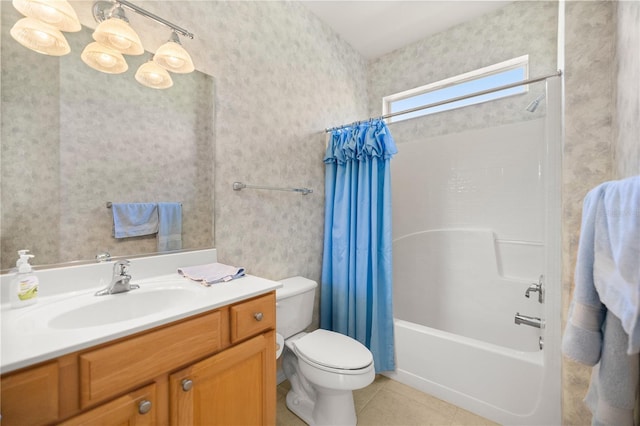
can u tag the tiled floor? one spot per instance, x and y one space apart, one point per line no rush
389 403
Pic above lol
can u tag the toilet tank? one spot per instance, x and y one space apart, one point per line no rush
294 305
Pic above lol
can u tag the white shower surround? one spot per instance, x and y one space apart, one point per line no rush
467 349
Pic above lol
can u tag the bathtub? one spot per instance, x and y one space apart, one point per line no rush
455 335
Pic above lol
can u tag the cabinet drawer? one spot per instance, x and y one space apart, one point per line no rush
137 408
121 366
253 317
31 396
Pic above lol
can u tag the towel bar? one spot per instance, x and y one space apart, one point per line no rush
110 204
237 186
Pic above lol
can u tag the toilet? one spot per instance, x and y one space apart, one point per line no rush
322 366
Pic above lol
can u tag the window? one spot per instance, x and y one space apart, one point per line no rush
497 75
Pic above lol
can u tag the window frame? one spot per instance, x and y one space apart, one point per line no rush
511 64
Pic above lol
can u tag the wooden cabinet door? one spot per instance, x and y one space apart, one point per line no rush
138 408
30 397
234 387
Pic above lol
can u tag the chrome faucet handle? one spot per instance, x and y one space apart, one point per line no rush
536 287
120 281
120 268
103 257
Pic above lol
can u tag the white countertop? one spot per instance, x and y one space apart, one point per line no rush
33 334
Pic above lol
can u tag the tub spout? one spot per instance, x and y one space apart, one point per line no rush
530 321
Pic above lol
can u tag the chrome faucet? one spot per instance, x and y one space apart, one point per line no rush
536 287
530 321
121 280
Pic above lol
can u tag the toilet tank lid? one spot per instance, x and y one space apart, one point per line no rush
293 286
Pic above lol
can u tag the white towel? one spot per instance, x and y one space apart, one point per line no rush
212 273
170 226
134 219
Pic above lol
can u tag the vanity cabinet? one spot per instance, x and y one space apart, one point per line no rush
215 368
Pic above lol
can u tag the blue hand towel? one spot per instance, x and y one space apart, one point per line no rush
616 268
607 270
613 392
170 226
134 219
582 339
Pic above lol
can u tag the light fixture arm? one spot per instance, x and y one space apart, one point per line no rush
174 37
118 12
101 10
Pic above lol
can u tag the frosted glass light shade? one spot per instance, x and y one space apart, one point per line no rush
118 35
153 75
174 58
40 37
104 59
57 13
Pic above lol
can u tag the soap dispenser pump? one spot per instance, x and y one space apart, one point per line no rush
24 287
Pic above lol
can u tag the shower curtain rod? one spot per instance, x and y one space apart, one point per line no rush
448 101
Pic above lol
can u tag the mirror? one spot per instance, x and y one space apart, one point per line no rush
74 138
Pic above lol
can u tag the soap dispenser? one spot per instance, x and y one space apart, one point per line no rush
24 287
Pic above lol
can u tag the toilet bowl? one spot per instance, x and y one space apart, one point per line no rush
323 367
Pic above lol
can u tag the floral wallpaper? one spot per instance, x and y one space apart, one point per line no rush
588 152
601 134
627 151
74 139
29 140
282 77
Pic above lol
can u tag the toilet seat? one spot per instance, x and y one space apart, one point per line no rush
334 352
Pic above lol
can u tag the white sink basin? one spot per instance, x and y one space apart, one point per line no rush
109 309
85 312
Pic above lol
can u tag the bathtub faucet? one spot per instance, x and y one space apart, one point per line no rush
536 287
530 321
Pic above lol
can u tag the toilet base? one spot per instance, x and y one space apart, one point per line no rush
332 407
302 408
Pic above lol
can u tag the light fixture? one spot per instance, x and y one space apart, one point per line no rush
103 59
40 30
152 75
115 32
57 13
173 57
40 37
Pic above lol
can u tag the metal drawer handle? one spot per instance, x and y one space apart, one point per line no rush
258 316
144 406
187 385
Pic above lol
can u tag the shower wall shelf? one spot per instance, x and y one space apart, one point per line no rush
237 186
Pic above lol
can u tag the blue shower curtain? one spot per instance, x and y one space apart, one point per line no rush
356 293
